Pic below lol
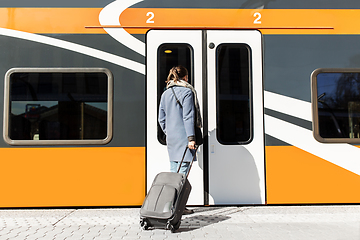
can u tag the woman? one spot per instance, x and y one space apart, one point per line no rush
177 118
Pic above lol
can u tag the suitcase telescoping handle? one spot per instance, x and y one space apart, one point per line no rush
196 148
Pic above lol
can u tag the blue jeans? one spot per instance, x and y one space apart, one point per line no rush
185 167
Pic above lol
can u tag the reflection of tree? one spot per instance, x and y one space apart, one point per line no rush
334 111
347 90
348 87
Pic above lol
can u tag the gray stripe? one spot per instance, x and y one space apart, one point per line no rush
289 60
247 4
129 86
52 3
103 42
140 37
271 141
290 119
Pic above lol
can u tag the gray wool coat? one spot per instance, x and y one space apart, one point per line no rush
176 122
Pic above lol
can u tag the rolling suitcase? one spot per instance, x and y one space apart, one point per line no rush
166 200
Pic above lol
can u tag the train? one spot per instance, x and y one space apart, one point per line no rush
278 82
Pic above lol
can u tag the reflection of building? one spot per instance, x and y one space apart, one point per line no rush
354 119
65 121
333 124
340 123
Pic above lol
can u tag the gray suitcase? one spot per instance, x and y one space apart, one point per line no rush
166 200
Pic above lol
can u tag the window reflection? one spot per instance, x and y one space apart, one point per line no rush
58 106
338 96
169 56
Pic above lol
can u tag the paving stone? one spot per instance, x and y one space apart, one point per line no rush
263 222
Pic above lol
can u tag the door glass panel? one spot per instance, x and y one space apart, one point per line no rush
233 94
169 56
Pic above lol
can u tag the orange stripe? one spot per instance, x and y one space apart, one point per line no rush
50 177
51 20
294 176
269 21
273 21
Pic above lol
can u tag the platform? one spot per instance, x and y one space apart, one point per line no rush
252 223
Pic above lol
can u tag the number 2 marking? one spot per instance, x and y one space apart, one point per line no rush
152 15
258 17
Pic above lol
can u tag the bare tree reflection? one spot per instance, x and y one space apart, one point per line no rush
339 106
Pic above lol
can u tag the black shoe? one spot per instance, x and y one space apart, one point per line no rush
188 211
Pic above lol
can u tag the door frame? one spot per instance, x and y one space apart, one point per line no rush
157 159
200 173
245 177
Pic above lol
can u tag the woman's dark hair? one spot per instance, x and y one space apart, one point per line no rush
177 73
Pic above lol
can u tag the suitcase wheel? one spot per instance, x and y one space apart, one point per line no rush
173 228
144 224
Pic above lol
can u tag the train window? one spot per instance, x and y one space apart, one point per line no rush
336 105
58 106
170 55
233 81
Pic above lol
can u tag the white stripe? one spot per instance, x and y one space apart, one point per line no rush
341 154
132 65
290 106
110 15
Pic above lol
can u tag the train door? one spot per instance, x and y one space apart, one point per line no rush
235 118
165 49
225 67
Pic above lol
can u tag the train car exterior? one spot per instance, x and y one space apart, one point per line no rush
278 82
